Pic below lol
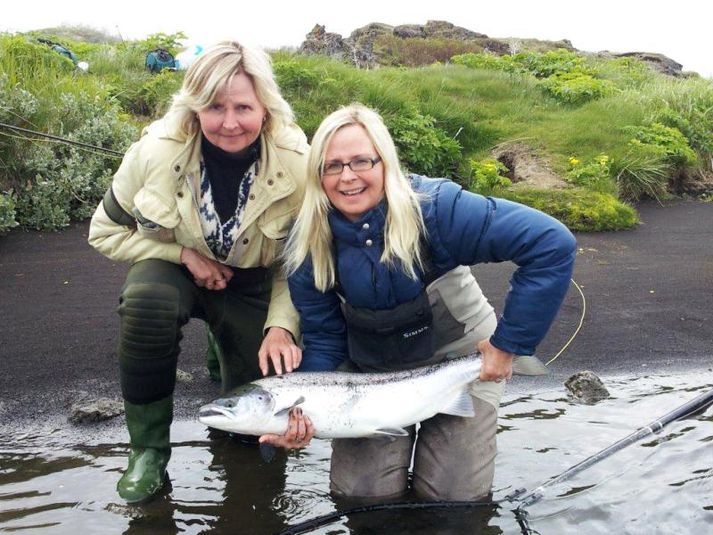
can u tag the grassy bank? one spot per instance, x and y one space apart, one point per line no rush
613 131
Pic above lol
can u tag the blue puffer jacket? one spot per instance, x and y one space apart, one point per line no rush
463 229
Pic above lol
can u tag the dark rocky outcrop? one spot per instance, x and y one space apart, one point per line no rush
319 41
359 48
657 62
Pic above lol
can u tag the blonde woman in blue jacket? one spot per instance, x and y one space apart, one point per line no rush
378 267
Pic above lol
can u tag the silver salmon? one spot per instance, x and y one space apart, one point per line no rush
349 405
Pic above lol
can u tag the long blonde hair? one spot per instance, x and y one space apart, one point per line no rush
213 70
311 234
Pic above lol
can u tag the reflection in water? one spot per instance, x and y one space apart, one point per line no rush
220 485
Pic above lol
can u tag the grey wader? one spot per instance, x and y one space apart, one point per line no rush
453 458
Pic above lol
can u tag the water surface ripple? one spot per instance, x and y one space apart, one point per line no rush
60 479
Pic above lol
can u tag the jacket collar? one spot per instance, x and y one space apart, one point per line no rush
369 226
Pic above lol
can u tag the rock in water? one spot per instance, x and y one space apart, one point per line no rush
586 387
96 411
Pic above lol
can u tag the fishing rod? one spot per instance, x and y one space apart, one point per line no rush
687 409
520 496
61 139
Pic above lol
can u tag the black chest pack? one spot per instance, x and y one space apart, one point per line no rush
397 338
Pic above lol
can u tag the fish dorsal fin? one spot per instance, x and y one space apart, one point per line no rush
285 410
392 431
461 405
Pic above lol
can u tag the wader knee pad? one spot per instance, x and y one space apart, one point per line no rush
149 338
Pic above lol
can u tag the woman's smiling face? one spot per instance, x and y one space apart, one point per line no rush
353 193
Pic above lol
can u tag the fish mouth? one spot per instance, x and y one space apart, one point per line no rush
211 411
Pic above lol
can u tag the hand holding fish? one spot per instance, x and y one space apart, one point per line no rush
300 431
497 364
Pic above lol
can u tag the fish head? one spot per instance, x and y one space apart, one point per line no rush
247 410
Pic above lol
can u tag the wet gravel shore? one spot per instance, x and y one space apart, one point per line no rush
647 294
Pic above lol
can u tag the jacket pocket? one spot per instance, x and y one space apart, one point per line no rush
275 231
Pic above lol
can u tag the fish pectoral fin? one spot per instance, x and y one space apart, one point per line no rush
285 410
529 365
462 405
392 431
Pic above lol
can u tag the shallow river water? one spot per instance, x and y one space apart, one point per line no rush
57 480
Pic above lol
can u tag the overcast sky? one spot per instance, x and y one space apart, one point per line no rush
680 29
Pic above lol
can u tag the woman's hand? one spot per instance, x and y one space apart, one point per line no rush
206 273
497 364
278 345
299 432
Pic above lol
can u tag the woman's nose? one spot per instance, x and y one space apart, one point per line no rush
230 120
347 174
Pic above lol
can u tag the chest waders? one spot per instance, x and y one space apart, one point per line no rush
157 300
449 457
401 337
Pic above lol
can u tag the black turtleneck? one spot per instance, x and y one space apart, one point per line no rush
225 172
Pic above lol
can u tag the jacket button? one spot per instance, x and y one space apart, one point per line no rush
245 241
177 168
252 196
180 194
270 182
369 243
365 226
280 174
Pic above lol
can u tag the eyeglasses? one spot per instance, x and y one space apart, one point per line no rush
357 165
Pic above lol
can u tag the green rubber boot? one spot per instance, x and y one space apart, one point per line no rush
149 429
212 360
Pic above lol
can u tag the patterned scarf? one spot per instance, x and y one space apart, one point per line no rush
220 236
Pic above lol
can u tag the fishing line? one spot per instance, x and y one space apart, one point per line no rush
579 327
309 525
52 137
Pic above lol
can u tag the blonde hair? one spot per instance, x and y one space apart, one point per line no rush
213 70
311 234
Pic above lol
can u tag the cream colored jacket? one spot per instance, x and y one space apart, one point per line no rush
158 182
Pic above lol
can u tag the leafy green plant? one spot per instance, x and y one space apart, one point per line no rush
552 62
296 77
488 176
167 41
423 147
579 209
154 96
590 174
488 61
668 141
576 87
7 213
54 183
